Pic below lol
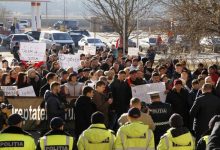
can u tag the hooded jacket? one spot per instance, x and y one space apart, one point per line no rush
214 138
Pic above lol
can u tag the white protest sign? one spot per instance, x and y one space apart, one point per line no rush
132 51
141 91
67 60
27 91
9 90
32 51
90 50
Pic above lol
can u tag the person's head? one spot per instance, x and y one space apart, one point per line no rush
15 120
207 88
195 84
88 91
154 96
72 77
4 63
127 63
211 70
51 77
121 75
162 70
93 75
140 74
100 86
176 121
57 123
86 72
31 73
94 63
155 77
178 68
164 78
13 74
82 56
209 80
204 73
64 75
135 103
97 118
178 84
133 114
135 62
200 66
6 80
55 65
55 87
21 79
133 74
184 75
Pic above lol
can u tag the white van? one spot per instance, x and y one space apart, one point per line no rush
56 37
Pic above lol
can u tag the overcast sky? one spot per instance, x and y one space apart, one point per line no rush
74 7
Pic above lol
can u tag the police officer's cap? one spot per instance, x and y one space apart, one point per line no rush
176 120
134 113
15 119
56 123
154 94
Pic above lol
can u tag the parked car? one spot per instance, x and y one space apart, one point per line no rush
24 23
69 24
144 44
56 37
91 42
114 42
10 41
212 43
76 37
34 34
82 32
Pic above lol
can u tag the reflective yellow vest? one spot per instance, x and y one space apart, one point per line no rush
11 141
56 142
134 136
96 137
206 139
182 142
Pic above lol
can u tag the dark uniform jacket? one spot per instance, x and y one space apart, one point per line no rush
203 109
214 138
179 104
160 113
53 132
84 108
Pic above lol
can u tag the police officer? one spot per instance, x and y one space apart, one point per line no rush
13 137
134 135
160 113
56 138
177 137
97 136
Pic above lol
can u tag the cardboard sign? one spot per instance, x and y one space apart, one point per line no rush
132 51
90 50
9 90
27 91
32 51
67 60
141 91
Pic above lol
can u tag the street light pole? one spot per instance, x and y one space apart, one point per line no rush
137 24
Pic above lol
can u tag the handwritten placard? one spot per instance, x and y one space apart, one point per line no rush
32 51
90 50
27 91
9 90
132 51
67 60
141 91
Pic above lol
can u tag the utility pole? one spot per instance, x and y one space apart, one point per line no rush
124 27
137 24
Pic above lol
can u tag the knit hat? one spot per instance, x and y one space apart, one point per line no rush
134 113
176 121
97 117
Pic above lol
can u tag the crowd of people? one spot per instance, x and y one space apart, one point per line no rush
104 104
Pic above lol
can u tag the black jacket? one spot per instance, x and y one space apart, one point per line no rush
84 108
43 89
192 97
179 104
54 106
53 132
203 109
214 138
36 83
121 93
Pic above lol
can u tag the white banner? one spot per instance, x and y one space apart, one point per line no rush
9 90
90 50
141 91
27 91
132 51
32 51
67 60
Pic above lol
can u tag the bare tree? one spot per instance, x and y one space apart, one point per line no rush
196 18
120 14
